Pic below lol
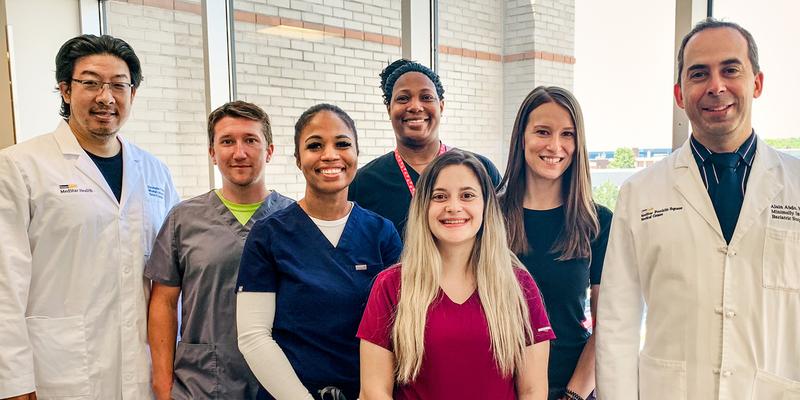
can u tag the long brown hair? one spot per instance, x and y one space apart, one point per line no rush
581 225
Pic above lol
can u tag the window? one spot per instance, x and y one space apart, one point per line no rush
290 56
623 81
771 26
168 117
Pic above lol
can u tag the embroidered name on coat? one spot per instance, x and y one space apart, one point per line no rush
653 213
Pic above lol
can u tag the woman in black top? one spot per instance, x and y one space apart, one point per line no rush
557 230
414 98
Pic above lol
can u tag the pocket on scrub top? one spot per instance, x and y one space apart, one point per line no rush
770 386
60 356
196 371
658 376
781 261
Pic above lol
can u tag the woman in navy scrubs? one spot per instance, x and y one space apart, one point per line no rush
306 270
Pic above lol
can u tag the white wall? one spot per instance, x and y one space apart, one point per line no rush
39 28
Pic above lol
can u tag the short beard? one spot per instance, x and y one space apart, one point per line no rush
103 135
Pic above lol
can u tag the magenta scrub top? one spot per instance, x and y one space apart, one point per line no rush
458 361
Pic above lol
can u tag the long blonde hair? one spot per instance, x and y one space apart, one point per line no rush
491 261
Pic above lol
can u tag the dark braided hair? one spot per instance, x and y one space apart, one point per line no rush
395 70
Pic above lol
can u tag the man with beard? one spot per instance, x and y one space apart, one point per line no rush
79 210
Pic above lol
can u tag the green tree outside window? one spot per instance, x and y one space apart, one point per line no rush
623 158
606 194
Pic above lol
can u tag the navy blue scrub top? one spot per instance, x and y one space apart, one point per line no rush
321 290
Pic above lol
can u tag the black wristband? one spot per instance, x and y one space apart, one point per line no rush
572 395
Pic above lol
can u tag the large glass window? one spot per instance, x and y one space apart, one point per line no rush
623 80
168 117
33 51
623 74
292 55
771 26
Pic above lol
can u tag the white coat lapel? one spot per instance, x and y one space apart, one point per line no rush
131 173
72 150
765 182
689 184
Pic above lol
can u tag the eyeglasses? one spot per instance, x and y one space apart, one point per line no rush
96 86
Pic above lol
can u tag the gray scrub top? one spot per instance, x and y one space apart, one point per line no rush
199 248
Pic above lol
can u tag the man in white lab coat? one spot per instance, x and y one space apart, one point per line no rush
709 240
79 210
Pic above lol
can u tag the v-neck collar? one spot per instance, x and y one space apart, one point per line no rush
347 232
230 220
447 297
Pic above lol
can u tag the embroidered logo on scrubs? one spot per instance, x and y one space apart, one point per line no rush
155 191
786 212
361 267
73 188
653 213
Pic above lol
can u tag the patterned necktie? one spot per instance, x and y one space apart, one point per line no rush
728 196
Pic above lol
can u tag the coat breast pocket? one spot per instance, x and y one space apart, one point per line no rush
60 356
781 260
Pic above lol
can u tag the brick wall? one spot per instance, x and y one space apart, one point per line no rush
291 54
539 48
288 59
492 53
471 44
168 115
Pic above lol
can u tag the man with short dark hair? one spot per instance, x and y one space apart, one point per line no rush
79 210
709 240
197 255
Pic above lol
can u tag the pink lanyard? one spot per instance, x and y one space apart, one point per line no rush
404 170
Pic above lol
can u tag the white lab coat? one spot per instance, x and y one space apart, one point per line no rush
723 321
73 299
